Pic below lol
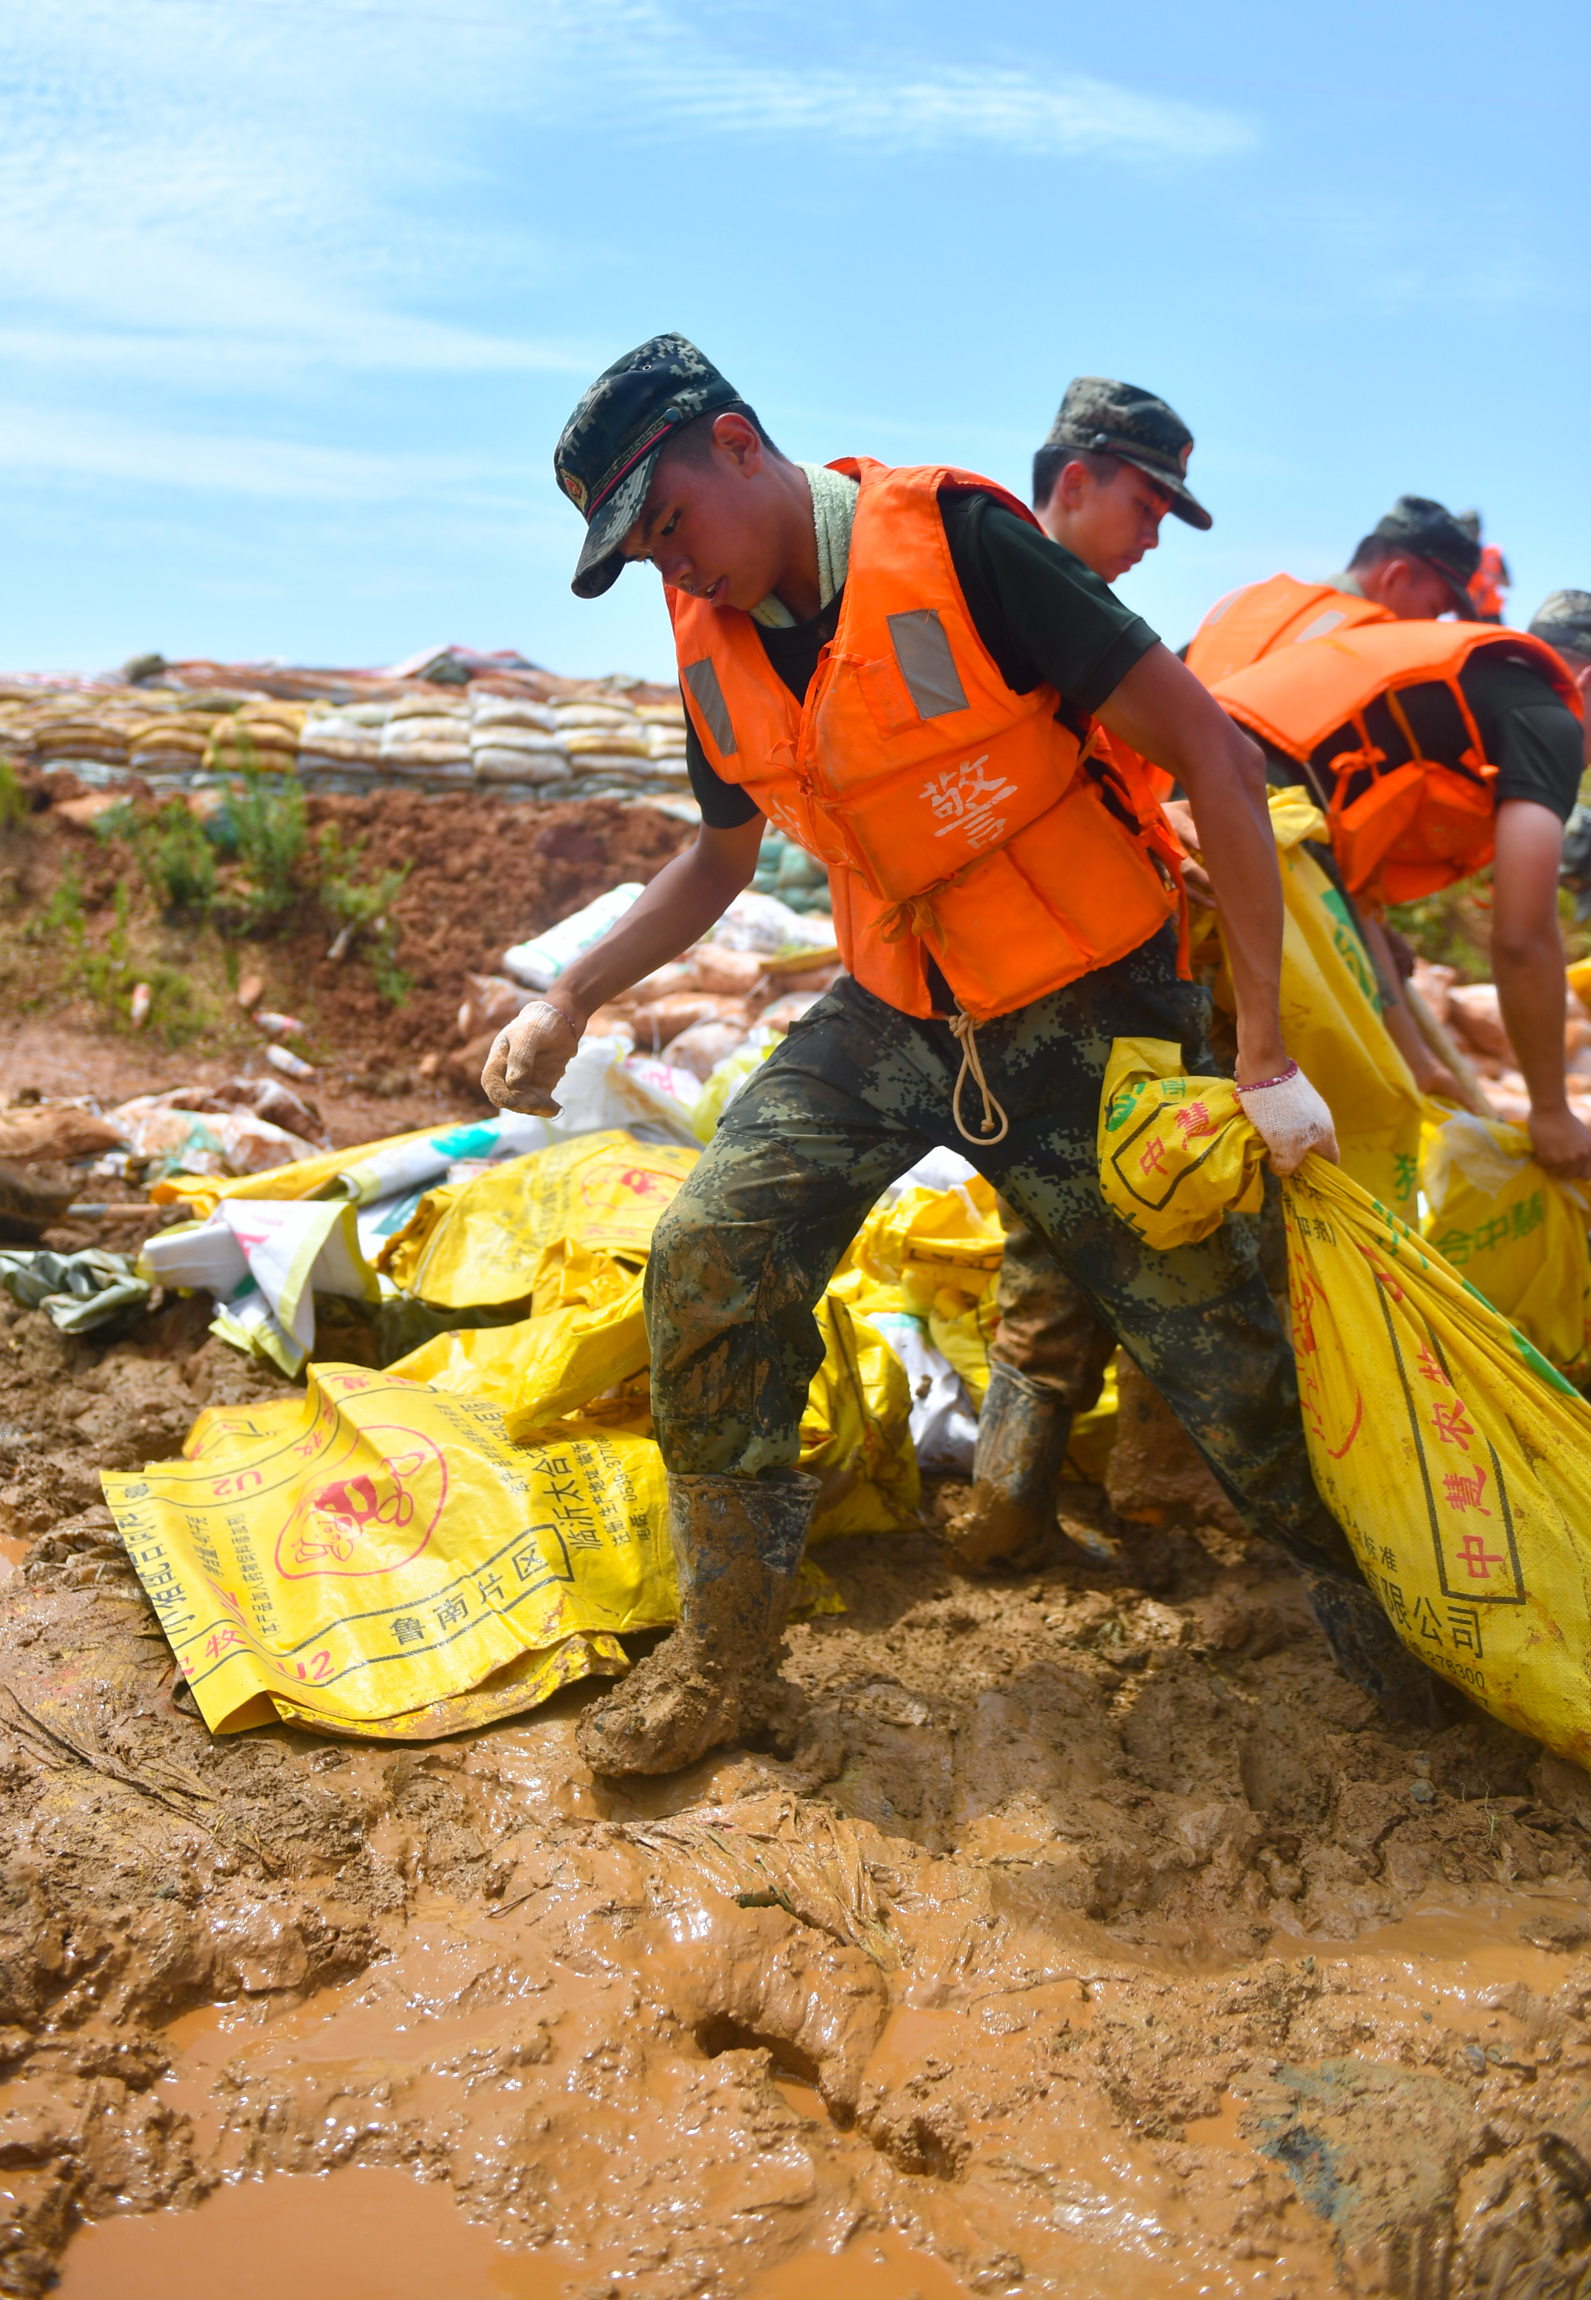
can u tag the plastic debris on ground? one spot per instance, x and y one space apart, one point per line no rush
1456 1459
162 1132
77 1292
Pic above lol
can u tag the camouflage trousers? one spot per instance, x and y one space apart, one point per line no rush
858 1093
1047 1328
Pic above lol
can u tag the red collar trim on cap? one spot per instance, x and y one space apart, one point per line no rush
597 501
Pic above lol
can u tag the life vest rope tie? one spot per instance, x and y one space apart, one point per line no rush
965 1031
914 915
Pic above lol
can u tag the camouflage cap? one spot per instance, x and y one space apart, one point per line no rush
1564 620
1427 530
609 448
1104 417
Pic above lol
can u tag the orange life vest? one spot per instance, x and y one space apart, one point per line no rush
1488 583
1402 823
1247 624
950 810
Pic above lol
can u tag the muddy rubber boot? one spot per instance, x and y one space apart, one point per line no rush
737 1545
1370 1653
1009 1516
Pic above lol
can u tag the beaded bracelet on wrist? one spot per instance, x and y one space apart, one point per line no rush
1258 1085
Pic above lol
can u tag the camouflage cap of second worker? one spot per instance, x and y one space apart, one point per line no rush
1104 417
1427 530
609 448
1564 620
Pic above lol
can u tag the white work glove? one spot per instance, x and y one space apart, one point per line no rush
1290 1118
529 1055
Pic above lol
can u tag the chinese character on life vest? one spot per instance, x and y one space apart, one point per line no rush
964 799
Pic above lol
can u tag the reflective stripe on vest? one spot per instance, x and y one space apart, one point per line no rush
950 810
702 681
1401 827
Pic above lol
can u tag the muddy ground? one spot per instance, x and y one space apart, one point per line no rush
1093 1937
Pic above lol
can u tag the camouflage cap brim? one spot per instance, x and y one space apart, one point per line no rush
1184 504
601 560
1464 606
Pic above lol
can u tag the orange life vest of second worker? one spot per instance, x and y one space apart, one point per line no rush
1384 736
954 815
1280 612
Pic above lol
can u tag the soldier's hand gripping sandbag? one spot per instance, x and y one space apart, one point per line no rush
1290 1118
529 1055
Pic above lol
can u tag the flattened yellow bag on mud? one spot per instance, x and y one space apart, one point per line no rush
376 1557
479 1242
1456 1460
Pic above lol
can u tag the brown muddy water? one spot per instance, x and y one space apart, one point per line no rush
1093 1939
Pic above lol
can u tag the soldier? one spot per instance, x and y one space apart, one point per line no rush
900 669
1414 565
1114 463
1563 620
1491 577
1435 749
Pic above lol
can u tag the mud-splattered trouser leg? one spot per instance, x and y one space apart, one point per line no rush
1048 1330
859 1092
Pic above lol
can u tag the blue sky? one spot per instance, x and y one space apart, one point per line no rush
297 293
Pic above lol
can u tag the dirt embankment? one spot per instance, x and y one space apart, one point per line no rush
1085 1937
482 872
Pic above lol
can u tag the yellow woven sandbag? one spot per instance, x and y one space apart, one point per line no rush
926 1239
935 1254
1093 1434
565 1365
375 1551
1171 1162
856 1430
961 1327
478 1243
724 1080
1456 1460
587 1334
1517 1235
1331 1018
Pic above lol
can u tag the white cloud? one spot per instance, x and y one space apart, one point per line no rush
909 109
184 173
85 445
210 209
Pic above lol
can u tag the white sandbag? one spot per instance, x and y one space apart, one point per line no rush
539 962
762 923
495 735
510 711
495 765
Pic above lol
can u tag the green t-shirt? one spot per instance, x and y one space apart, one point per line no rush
1044 617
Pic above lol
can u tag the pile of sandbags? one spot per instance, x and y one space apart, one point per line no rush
258 735
525 733
1472 1014
583 747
